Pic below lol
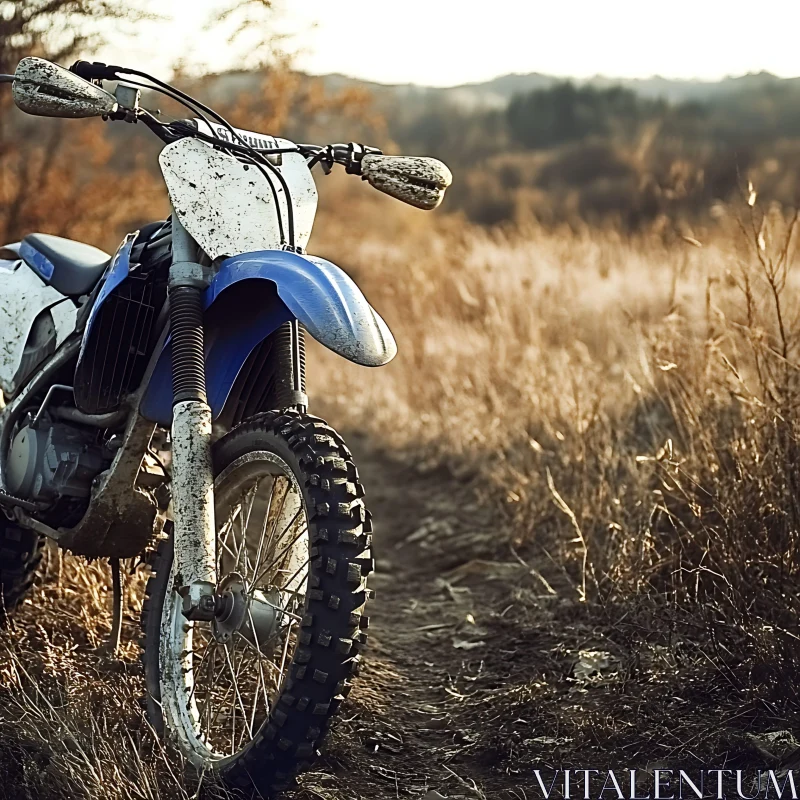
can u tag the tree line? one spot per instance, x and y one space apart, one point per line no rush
579 151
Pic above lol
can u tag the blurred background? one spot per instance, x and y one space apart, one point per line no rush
625 117
584 458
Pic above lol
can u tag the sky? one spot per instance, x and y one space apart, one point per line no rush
446 42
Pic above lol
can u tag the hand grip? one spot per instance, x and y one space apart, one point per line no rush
95 70
418 181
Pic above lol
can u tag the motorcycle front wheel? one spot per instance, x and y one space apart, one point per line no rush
251 694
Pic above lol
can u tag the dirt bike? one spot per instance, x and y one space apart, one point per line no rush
155 401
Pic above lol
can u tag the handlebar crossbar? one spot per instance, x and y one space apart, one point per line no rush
78 92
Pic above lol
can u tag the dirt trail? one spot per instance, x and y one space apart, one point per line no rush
406 731
428 717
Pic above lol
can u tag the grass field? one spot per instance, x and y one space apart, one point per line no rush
614 415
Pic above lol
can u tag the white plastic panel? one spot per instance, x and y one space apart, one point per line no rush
64 317
228 207
23 296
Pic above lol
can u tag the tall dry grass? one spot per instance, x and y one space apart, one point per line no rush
625 407
71 718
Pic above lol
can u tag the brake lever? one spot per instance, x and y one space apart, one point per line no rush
317 155
348 155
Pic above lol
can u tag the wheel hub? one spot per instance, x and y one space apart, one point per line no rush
255 615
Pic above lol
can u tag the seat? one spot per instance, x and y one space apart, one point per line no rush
71 268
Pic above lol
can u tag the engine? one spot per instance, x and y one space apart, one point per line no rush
54 460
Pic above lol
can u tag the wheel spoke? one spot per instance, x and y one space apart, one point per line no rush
224 539
261 679
283 611
213 720
285 653
283 552
277 517
291 580
264 529
199 667
238 697
252 648
209 698
243 523
259 682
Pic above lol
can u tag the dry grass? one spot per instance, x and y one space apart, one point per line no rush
72 724
593 385
624 410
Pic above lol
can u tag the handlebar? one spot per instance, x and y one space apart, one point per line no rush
78 92
348 155
89 78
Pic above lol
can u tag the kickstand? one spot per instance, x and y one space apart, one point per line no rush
116 620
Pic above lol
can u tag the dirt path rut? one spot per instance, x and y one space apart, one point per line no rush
408 730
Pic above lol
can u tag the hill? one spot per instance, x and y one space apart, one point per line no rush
497 93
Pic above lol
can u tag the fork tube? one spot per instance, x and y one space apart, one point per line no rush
192 476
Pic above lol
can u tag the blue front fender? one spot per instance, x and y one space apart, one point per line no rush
312 290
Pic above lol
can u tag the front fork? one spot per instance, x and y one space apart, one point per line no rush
192 472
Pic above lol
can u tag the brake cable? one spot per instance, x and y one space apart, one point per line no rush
110 72
245 152
185 128
191 131
254 154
